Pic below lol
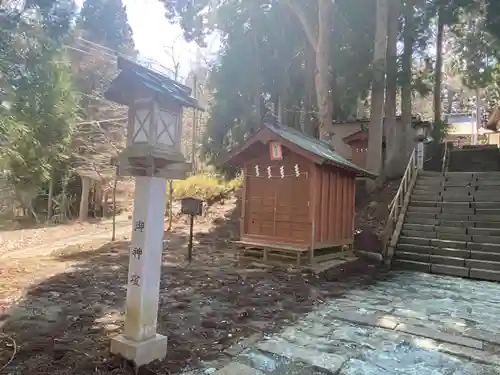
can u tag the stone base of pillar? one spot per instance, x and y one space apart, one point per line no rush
140 352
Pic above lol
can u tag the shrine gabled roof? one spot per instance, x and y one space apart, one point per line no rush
318 148
319 151
151 80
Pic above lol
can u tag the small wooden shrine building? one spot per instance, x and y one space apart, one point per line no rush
298 199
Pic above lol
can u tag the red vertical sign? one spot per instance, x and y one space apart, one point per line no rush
275 151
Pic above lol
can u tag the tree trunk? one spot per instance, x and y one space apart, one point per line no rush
450 98
115 183
439 70
323 57
63 209
50 211
84 200
406 100
393 166
308 125
321 44
378 92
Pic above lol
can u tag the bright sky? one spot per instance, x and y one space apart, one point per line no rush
154 35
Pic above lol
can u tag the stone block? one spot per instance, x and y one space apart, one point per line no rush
140 352
487 205
484 231
454 198
454 204
449 244
412 265
430 210
456 217
410 219
489 247
453 236
482 264
456 224
237 348
419 249
487 224
487 182
486 239
419 234
418 227
483 255
458 229
424 258
454 253
489 275
450 270
440 336
459 209
423 203
327 361
451 261
488 211
481 217
414 241
235 368
486 197
482 335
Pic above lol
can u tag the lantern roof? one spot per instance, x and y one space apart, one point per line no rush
136 81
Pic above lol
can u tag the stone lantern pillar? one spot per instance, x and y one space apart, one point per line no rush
152 155
422 129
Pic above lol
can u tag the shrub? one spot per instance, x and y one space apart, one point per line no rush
207 187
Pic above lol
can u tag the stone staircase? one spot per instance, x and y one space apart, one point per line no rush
474 159
452 225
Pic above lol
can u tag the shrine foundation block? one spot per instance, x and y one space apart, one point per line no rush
142 352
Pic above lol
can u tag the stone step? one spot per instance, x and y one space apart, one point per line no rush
444 243
484 255
477 246
412 265
486 182
482 264
451 229
482 274
448 252
431 210
411 248
480 218
445 269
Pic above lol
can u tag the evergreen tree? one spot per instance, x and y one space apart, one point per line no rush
105 22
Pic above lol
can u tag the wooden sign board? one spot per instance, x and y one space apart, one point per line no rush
191 206
275 151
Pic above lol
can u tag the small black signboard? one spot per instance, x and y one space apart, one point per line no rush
192 207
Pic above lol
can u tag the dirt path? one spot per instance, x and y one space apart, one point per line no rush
42 236
48 245
62 308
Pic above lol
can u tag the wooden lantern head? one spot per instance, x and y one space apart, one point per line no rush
155 121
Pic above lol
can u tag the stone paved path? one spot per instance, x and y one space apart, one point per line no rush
412 323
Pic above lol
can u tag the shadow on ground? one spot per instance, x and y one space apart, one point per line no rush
63 325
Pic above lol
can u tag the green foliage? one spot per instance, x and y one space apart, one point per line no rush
207 187
263 63
439 131
38 97
106 22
